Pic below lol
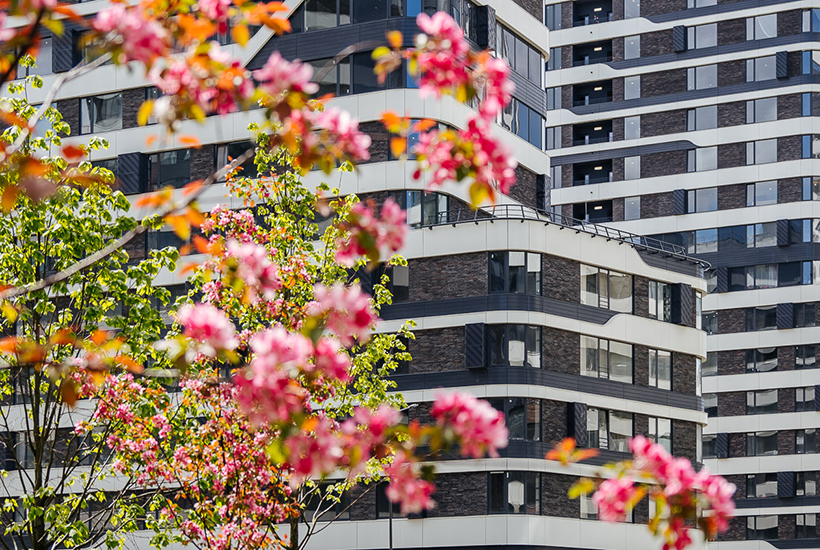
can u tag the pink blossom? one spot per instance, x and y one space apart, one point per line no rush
216 11
442 54
314 454
255 269
278 76
613 498
347 139
371 236
479 427
347 311
406 487
140 38
209 326
331 360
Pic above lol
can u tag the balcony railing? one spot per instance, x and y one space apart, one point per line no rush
592 20
591 181
589 141
591 61
523 213
592 101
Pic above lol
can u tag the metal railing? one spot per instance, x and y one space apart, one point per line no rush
523 213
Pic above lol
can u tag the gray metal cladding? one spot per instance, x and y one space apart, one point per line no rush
62 50
664 261
817 398
474 346
785 485
782 232
529 93
577 423
132 173
683 305
766 255
722 445
781 63
785 316
722 280
679 38
679 202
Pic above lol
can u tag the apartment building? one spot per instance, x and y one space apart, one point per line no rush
691 120
571 330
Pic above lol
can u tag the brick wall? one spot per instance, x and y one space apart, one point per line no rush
789 106
561 351
561 278
785 442
70 109
640 292
731 362
379 140
640 359
663 83
789 22
731 155
731 320
663 164
533 7
524 189
732 196
684 440
460 494
732 114
617 210
656 43
785 400
132 99
732 403
737 445
789 148
437 350
553 420
454 276
732 31
554 489
789 190
731 73
202 162
656 205
665 122
683 373
658 7
785 358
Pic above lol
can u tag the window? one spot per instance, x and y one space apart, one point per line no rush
519 54
761 27
803 315
811 189
761 444
334 79
804 357
701 118
423 208
331 504
609 429
632 8
225 153
553 98
804 441
706 241
760 69
702 36
171 168
761 235
321 14
811 147
516 272
554 61
399 287
761 485
805 526
761 152
514 345
761 360
811 62
810 104
632 46
710 322
701 78
761 527
632 87
761 402
552 17
606 289
761 318
660 301
702 159
43 60
691 4
701 200
526 123
383 504
632 127
101 113
589 510
710 404
660 369
761 193
811 20
804 399
761 110
606 359
710 366
708 443
523 417
632 208
632 168
553 141
515 493
660 431
111 165
805 483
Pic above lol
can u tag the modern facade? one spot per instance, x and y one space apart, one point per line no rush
692 120
570 330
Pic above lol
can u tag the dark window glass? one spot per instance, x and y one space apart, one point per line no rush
790 274
383 504
320 14
804 357
804 441
364 79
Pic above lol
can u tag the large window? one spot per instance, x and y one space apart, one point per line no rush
702 36
632 87
770 276
332 78
702 159
521 56
606 359
423 208
226 152
609 429
710 404
761 527
761 193
761 360
761 318
515 493
761 27
660 301
660 431
552 17
701 118
761 402
761 110
701 200
523 417
514 345
761 152
805 442
805 483
326 503
660 369
701 78
761 485
606 289
515 271
171 168
805 526
553 98
524 122
804 357
760 69
803 315
101 113
761 443
804 399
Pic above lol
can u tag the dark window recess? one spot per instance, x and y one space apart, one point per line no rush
710 404
593 212
761 360
514 345
761 402
804 399
709 445
523 417
805 442
227 152
592 93
803 315
592 132
761 318
761 443
111 165
761 527
398 280
804 357
591 53
329 504
516 272
761 485
805 484
683 305
383 505
423 208
514 493
591 12
171 168
524 122
587 173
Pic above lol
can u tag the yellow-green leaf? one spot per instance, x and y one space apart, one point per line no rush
145 112
380 51
582 487
9 312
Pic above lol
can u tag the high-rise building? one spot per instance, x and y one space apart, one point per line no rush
571 330
689 120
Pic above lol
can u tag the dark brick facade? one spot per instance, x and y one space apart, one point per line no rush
561 351
731 155
731 114
664 122
70 109
789 148
732 31
437 350
462 494
663 164
731 320
379 140
533 7
561 278
731 196
731 73
658 7
684 439
554 496
456 276
524 190
656 43
789 106
732 403
663 83
656 205
132 100
789 190
684 373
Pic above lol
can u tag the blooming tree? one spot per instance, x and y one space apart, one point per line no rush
305 398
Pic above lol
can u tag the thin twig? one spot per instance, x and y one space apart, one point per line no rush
115 245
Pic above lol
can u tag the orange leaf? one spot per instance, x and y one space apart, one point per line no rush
9 197
583 454
98 376
397 146
189 268
129 364
98 337
191 141
273 7
12 119
150 140
8 344
62 337
194 217
68 391
390 119
196 29
191 188
34 167
65 10
201 244
240 34
180 226
395 39
278 25
424 125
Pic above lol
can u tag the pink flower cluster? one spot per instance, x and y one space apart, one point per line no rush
480 428
347 311
140 39
345 139
217 11
256 270
371 236
279 76
442 54
682 488
209 326
407 487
